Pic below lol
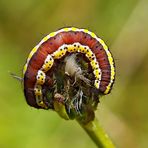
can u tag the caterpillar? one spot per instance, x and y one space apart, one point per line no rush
44 58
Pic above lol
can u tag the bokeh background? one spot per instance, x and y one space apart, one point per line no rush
122 24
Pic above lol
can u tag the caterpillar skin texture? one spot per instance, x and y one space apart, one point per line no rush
57 45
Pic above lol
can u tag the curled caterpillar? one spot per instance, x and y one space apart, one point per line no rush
82 49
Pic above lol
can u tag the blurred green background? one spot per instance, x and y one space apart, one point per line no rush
124 113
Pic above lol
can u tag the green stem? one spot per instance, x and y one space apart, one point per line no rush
97 134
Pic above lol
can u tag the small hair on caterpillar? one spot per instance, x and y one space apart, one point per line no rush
16 77
72 69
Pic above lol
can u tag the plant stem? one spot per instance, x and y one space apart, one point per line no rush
97 134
